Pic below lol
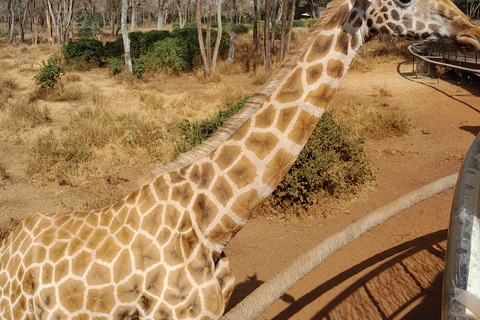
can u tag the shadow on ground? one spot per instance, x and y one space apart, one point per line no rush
402 282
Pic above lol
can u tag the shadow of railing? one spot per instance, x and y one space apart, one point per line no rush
388 259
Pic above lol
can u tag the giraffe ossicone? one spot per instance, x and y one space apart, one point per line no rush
157 254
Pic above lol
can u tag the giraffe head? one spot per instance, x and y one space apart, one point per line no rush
422 21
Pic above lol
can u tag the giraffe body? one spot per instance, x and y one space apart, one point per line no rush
157 254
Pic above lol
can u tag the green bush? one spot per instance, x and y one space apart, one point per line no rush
189 36
194 133
297 23
214 24
49 75
116 65
312 22
332 159
88 49
169 54
114 49
240 28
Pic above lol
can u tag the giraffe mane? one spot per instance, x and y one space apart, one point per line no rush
224 132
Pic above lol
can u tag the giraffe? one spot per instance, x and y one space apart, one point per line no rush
158 253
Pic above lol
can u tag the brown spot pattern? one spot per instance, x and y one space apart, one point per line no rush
313 74
205 211
261 143
222 190
320 47
321 96
265 118
335 68
202 175
338 18
227 156
342 43
243 172
244 203
303 128
277 168
292 89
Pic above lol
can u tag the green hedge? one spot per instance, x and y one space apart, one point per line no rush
88 49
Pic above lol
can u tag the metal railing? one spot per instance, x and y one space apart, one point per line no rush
461 283
446 55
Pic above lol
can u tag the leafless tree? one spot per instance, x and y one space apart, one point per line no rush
160 6
113 7
231 50
61 12
256 40
209 63
267 52
286 29
126 41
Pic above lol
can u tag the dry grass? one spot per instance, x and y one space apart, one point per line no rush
373 118
380 49
8 227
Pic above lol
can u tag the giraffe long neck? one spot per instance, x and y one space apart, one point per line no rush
221 190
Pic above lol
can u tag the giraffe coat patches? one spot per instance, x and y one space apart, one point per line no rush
265 119
321 96
261 143
292 89
243 172
228 155
205 210
277 168
222 190
313 74
285 117
320 47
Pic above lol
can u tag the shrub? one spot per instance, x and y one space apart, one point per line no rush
189 36
114 49
88 49
49 75
170 55
312 22
332 160
195 132
241 28
297 23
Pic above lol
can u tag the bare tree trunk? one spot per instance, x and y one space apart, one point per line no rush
274 25
283 34
208 48
200 37
11 21
231 50
219 37
134 15
267 54
126 41
255 25
289 30
161 4
61 13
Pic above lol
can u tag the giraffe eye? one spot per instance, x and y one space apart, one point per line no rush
404 3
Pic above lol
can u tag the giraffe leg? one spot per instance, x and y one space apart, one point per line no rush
225 277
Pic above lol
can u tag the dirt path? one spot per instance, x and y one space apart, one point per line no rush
394 271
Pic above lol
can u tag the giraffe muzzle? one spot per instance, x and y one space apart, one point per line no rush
467 43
